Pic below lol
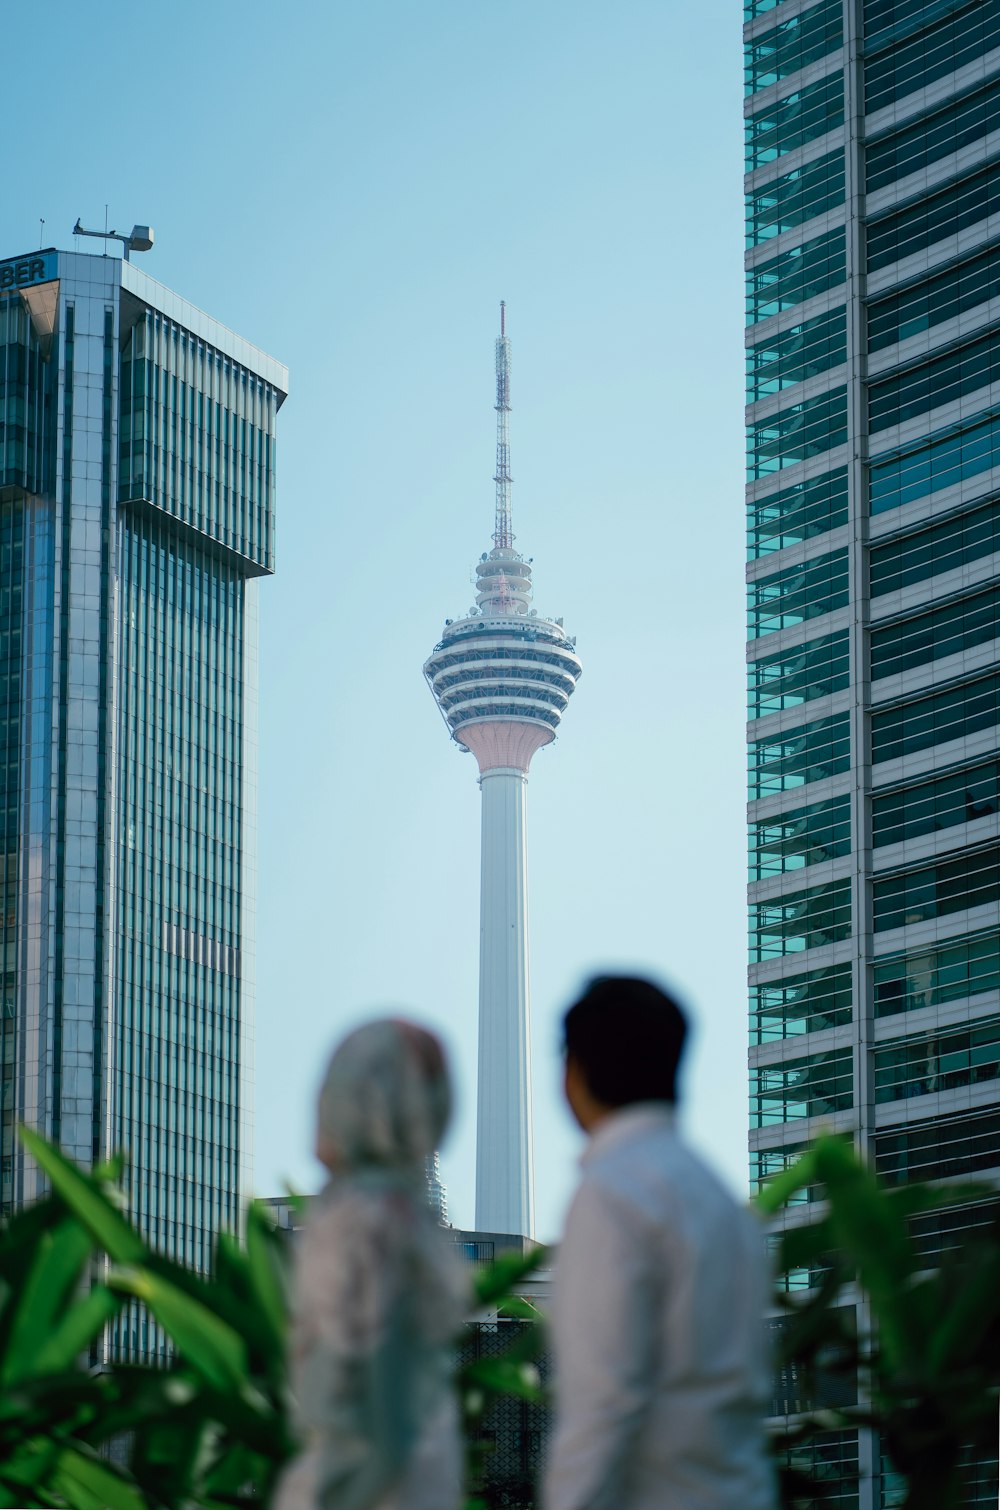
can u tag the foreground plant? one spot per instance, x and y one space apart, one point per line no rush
210 1429
928 1368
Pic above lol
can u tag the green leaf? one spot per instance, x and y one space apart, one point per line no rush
965 1314
266 1269
514 1308
210 1345
88 1483
493 1281
874 1233
85 1198
77 1330
60 1259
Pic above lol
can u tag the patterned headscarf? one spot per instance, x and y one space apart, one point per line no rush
386 1098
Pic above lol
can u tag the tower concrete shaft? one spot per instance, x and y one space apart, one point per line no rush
504 1154
502 677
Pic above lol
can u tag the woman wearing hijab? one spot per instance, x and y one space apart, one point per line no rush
380 1295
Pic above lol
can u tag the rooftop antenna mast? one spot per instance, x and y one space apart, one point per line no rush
503 534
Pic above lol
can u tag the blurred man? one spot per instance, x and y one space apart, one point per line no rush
660 1287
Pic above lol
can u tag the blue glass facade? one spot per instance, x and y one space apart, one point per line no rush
137 457
873 466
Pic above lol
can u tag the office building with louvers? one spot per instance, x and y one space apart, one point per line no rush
137 461
873 370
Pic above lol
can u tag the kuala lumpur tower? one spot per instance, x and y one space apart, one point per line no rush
502 677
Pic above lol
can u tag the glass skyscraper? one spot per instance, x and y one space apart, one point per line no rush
873 309
137 460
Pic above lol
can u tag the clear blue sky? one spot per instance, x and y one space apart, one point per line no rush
354 187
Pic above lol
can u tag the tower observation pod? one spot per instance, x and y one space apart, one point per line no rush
502 678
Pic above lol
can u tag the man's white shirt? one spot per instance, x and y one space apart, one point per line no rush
662 1373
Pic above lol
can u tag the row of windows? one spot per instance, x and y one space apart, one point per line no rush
795 757
955 40
793 198
800 920
797 513
800 352
950 713
810 112
939 803
916 390
765 1163
954 208
910 310
958 124
796 275
886 21
954 542
802 836
790 45
799 1004
937 973
830 1458
941 1061
937 889
789 597
806 429
815 669
937 462
941 631
816 1086
939 1150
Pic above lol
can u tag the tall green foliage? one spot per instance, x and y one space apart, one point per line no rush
928 1365
210 1429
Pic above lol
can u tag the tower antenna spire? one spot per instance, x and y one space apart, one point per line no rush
503 534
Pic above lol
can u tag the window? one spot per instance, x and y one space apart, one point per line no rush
806 429
933 136
956 39
942 1060
797 353
765 1163
889 20
940 461
797 513
799 593
952 713
931 217
796 275
754 8
798 1004
935 633
796 1088
941 802
797 756
797 118
919 307
790 45
830 1457
800 920
815 669
955 542
803 836
795 197
939 1150
949 884
918 389
938 973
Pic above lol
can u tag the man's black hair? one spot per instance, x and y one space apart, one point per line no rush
627 1036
